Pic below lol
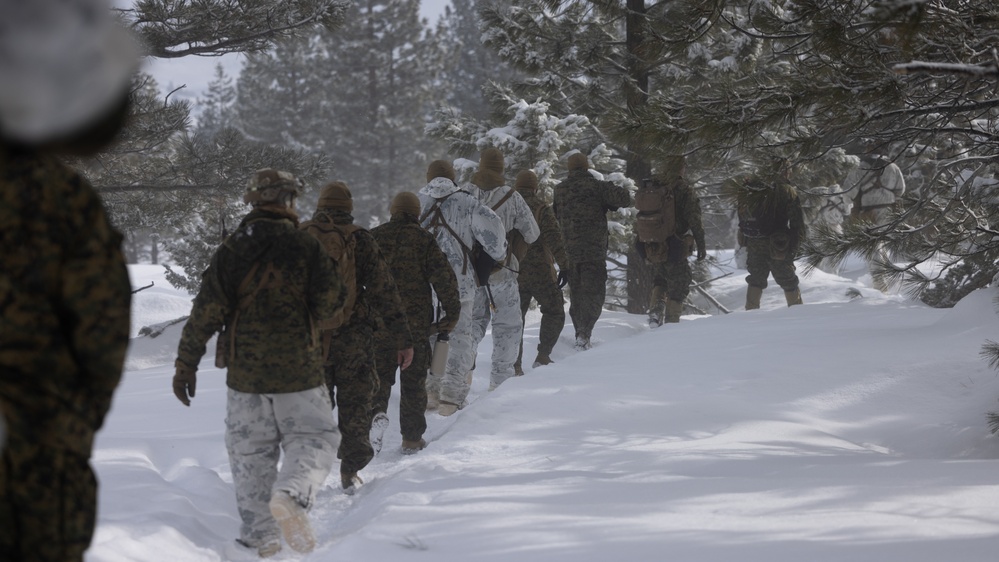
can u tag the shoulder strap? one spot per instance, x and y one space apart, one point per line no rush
437 219
499 203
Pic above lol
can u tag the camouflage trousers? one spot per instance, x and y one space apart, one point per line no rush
507 325
353 381
674 278
453 386
412 385
587 292
552 306
258 428
760 265
48 502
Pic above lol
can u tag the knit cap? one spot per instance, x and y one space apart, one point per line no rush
440 169
336 195
405 202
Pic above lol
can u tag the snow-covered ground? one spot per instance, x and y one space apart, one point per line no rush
838 430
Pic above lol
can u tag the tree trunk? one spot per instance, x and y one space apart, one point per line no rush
638 166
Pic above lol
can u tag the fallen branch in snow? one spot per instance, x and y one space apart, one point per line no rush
157 329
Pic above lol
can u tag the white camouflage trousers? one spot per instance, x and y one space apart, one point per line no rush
453 386
508 327
258 428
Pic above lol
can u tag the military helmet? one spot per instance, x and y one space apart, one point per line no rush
271 186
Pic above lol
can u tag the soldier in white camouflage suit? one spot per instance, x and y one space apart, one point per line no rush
264 288
458 220
503 291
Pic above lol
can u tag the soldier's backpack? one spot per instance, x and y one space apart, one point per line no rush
656 219
757 209
340 244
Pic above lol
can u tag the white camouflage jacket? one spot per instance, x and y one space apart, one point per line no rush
515 214
470 220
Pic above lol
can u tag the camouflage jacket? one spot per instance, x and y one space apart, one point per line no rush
774 206
510 207
418 265
581 204
377 294
549 248
688 212
467 221
276 345
64 299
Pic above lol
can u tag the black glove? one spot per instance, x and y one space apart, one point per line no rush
184 382
562 279
701 253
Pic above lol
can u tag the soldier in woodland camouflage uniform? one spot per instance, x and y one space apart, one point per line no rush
771 227
418 266
581 205
672 275
537 278
64 288
350 364
263 290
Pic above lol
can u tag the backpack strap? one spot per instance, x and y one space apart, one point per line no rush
437 220
499 203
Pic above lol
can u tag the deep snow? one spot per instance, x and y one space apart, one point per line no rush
838 430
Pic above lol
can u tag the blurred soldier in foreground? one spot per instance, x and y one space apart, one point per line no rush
581 205
349 343
771 227
672 241
420 269
463 227
265 286
64 289
537 278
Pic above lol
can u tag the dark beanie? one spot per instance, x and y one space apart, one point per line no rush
491 160
440 169
405 202
336 195
527 179
578 162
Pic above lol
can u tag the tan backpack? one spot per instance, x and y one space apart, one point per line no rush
656 205
340 244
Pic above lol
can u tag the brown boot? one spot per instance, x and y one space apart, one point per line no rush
793 297
542 359
657 307
673 311
518 371
413 447
753 296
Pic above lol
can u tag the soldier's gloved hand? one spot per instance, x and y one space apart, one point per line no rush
701 253
562 279
185 380
405 357
446 325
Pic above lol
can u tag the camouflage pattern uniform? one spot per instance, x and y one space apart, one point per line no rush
581 204
503 292
64 299
464 221
418 265
672 277
784 225
350 365
276 396
537 278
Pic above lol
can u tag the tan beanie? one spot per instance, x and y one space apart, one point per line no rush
336 195
578 162
491 159
440 169
527 179
405 202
